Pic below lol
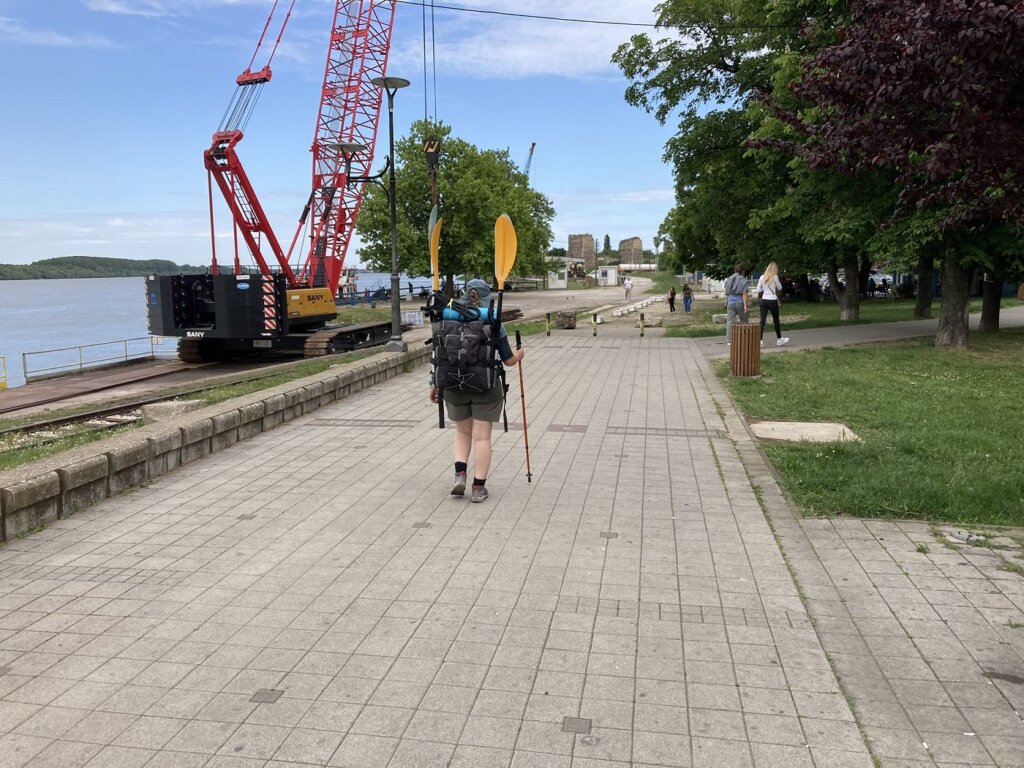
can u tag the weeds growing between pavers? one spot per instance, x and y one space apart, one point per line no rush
941 429
801 315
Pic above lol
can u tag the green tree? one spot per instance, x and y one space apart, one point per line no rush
931 93
476 186
607 244
713 72
740 200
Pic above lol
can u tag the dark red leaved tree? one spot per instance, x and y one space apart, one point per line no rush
934 91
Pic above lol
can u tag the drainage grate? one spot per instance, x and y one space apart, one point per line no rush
421 525
578 428
609 535
371 423
246 517
576 725
665 431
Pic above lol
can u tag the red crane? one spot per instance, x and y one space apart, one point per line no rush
349 113
286 314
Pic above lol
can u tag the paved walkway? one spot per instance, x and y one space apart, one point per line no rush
313 597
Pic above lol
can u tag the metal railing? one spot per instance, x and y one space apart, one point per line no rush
78 359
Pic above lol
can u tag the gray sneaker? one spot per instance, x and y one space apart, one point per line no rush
459 489
782 342
479 493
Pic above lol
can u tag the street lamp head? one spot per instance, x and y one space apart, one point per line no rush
391 83
348 148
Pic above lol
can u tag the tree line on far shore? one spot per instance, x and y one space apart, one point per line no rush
67 267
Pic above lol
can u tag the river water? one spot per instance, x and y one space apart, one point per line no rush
43 315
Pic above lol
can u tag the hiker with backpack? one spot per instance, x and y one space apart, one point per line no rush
469 379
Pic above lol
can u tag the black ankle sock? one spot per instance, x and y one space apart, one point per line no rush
461 466
478 483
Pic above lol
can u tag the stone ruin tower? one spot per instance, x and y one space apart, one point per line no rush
631 251
582 247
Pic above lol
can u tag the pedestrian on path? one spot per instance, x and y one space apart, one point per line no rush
473 412
672 299
627 286
687 298
737 294
769 289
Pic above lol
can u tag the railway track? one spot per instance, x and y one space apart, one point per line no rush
49 430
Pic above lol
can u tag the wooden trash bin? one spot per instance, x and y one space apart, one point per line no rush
745 350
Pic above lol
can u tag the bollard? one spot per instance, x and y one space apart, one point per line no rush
593 320
641 325
548 333
745 350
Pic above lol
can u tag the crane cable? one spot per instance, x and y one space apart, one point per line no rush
263 34
432 75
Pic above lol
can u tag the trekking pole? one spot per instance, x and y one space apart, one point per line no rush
522 399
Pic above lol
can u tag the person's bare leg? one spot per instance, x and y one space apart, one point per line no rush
464 440
481 448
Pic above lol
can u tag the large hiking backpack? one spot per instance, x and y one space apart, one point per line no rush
464 355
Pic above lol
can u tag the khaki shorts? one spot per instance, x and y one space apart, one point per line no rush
482 406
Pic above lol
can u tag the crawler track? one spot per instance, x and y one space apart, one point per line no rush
346 338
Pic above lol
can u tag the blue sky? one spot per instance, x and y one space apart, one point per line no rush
107 105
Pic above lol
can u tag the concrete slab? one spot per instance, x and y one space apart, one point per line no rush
803 431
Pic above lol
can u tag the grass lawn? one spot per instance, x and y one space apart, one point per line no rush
800 315
364 313
942 430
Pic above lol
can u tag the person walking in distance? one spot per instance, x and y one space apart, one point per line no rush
672 299
473 391
687 298
770 290
737 293
627 286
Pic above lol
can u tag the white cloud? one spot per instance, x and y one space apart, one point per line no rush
497 46
475 44
13 31
147 8
618 213
157 8
180 237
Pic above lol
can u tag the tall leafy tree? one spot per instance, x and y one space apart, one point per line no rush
607 244
933 92
476 186
721 62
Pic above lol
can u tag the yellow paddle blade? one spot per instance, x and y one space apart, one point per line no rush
435 243
504 248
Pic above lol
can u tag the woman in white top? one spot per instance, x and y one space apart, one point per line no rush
769 288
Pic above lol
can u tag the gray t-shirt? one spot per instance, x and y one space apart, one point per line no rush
735 285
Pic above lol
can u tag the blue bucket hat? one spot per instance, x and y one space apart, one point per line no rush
480 286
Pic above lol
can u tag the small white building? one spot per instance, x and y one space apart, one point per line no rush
558 279
607 275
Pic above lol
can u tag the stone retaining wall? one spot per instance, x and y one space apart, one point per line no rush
55 487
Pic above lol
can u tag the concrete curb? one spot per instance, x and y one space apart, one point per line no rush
39 493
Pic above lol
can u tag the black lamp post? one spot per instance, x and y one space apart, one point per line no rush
391 85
